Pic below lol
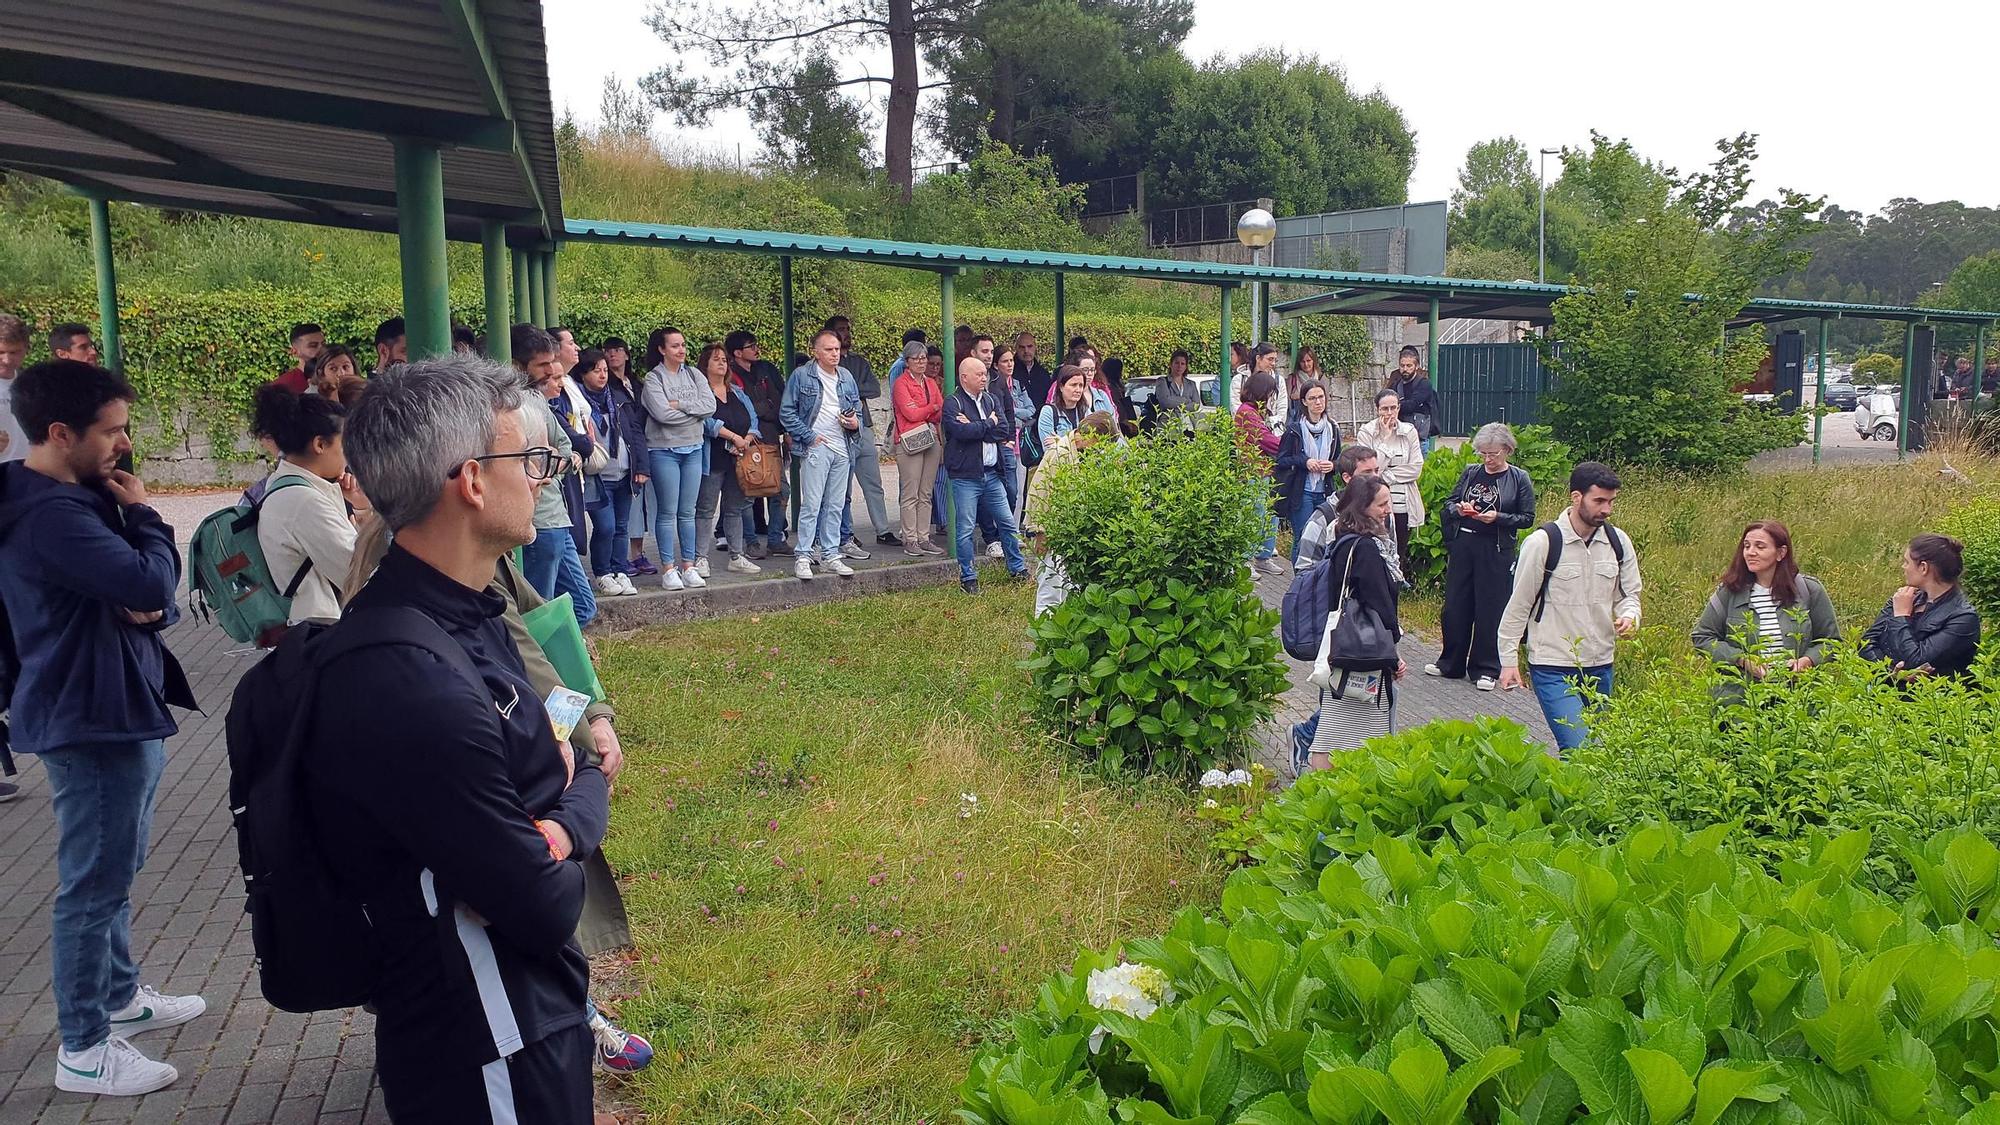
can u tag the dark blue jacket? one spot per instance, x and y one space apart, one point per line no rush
70 559
964 459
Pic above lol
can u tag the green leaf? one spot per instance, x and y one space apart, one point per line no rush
1846 1035
1450 1108
1273 1109
1662 1082
1451 925
1589 1048
1452 1015
1899 1083
1721 1084
1151 1113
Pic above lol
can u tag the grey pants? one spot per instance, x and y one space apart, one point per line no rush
868 474
720 486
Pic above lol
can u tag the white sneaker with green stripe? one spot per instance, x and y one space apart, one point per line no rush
152 1009
112 1067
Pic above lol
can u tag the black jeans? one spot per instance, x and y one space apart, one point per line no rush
1478 579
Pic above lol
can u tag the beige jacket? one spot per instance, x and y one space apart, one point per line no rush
303 522
1402 461
1589 591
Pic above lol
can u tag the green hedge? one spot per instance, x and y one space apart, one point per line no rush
1977 525
198 358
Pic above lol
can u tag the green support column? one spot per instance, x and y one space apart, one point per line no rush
1431 353
537 311
420 240
493 262
1227 370
788 314
1909 361
1060 344
1978 365
1298 343
107 285
551 312
519 311
1819 400
947 284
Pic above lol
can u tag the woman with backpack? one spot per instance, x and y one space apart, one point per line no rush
1355 706
305 524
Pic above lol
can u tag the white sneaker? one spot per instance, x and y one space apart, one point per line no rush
670 578
839 566
802 566
608 586
692 577
993 551
1486 683
1433 670
853 549
625 584
112 1067
152 1009
701 566
740 565
722 543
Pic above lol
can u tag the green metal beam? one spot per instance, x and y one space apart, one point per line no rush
470 30
1298 342
538 296
1978 365
1909 361
520 310
297 102
1061 343
1431 353
420 240
493 263
789 333
947 291
1819 400
1227 370
107 284
551 310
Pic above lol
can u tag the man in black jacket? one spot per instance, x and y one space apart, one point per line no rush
456 817
975 423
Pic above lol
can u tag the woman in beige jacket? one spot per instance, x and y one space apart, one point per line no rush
1400 452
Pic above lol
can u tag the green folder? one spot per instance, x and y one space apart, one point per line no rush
553 625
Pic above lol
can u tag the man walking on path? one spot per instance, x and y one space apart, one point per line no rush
87 577
459 820
1576 593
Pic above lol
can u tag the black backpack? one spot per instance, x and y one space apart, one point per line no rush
314 943
1555 538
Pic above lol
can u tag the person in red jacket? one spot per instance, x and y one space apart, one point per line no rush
1256 434
919 402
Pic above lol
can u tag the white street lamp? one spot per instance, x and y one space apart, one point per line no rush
1256 229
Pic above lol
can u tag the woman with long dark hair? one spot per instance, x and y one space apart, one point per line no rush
1929 626
1400 451
730 431
678 404
1358 706
636 513
1764 614
305 524
1305 459
610 429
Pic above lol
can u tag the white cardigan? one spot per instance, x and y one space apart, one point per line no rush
1402 461
303 522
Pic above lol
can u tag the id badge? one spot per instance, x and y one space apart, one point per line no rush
565 708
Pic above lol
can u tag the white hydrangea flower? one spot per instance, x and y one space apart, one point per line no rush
1214 779
1210 804
1135 990
1239 777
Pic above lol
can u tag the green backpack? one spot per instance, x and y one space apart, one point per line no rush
230 581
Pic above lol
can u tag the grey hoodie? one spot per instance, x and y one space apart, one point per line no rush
669 427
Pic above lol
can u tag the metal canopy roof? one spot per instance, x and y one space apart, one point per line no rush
1531 302
283 109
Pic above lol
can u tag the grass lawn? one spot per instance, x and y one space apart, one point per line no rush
828 927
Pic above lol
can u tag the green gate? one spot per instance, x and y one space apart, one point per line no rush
1481 383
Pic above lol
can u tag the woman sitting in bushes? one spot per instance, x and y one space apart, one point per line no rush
1359 706
1929 627
1051 584
1765 614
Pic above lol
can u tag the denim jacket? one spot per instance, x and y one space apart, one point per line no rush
801 406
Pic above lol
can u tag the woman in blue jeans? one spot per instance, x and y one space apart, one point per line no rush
611 429
678 404
1305 459
551 563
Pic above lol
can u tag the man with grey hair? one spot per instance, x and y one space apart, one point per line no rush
1488 509
433 769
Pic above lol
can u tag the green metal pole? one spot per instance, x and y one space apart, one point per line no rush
1228 369
947 289
1298 343
1819 400
1431 353
551 314
1060 345
107 284
523 303
537 311
787 312
1978 365
1909 361
420 239
493 260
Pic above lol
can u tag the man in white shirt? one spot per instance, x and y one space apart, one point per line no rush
821 411
13 351
1573 611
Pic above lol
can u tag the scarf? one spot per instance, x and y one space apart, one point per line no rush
1318 442
604 410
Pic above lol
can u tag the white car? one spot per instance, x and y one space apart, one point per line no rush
1879 413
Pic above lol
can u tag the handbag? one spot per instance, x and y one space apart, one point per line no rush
923 439
598 459
759 472
553 625
1355 639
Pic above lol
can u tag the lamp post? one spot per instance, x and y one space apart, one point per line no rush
1256 229
1542 220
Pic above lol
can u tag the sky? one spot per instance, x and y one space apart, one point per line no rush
1827 87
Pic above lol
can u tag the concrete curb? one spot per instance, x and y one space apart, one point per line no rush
766 595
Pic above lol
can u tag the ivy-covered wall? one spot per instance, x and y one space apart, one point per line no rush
196 359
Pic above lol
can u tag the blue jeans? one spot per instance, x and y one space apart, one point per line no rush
1270 518
1008 464
676 487
615 519
1562 704
553 568
822 493
978 500
1308 500
103 798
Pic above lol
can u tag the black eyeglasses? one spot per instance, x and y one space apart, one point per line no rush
540 463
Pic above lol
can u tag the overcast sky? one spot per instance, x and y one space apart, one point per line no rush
1828 87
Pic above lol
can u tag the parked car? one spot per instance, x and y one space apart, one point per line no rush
1880 413
1141 390
1840 394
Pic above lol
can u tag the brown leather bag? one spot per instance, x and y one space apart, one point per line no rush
760 470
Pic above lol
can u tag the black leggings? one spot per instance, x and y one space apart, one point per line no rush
1478 579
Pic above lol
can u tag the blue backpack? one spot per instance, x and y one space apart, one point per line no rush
1310 600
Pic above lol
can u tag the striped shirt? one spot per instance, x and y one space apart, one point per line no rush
1770 642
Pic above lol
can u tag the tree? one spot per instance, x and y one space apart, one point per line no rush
1643 376
1498 207
811 128
1002 198
762 48
1974 285
622 112
1278 126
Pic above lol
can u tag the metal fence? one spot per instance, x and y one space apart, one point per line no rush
1113 195
1187 226
1481 383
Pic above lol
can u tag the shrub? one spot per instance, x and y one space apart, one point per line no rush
1547 461
1160 676
1877 368
1838 746
1513 979
1439 780
1977 525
